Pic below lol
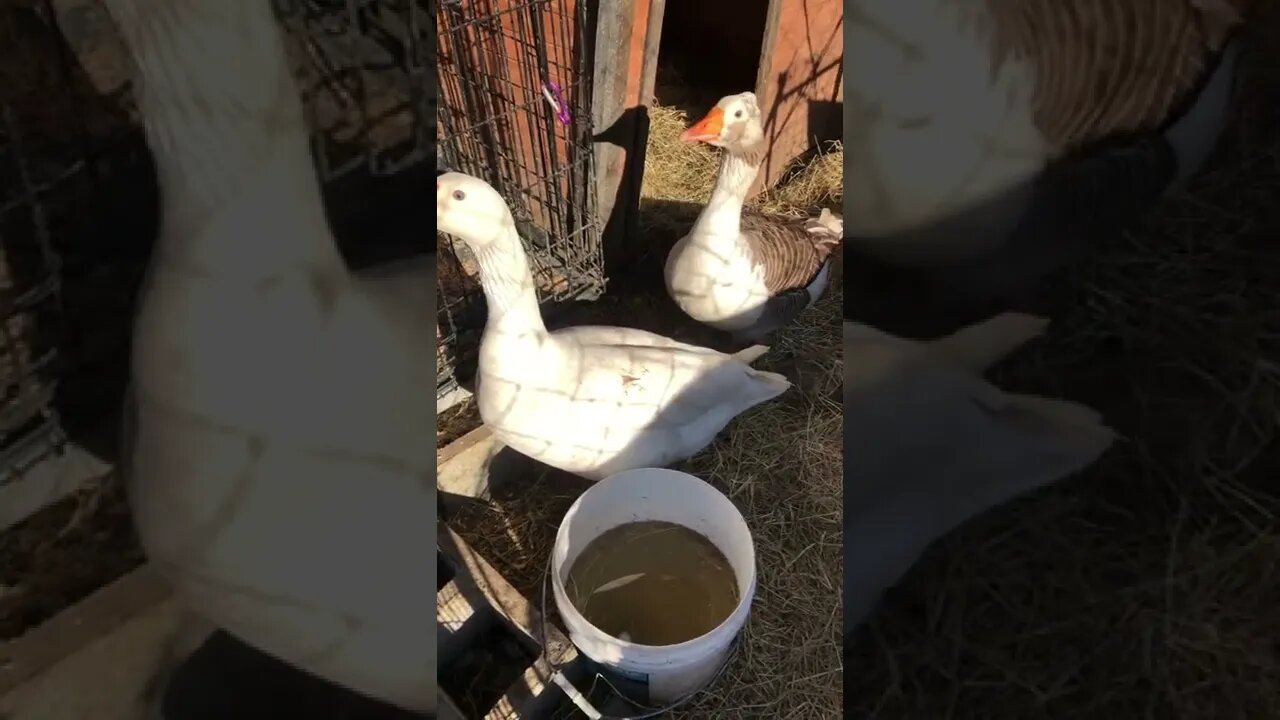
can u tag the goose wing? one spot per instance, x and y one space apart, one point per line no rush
649 386
624 337
789 251
1106 68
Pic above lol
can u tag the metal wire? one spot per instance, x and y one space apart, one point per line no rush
32 320
514 109
363 77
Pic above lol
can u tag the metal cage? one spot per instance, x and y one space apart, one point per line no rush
515 84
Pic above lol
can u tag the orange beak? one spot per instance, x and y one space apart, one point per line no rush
708 128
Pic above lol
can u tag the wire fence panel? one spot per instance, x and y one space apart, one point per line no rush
514 109
363 70
36 98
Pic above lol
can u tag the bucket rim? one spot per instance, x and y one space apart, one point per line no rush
745 600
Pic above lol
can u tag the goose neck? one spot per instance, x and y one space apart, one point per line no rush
226 129
723 214
509 291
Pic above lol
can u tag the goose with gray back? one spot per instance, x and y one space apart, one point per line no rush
988 143
590 400
743 271
929 444
275 440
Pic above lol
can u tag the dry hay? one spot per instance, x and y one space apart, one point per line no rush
779 462
1149 587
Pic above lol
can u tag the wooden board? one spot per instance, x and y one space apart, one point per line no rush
46 482
93 660
800 85
627 33
471 598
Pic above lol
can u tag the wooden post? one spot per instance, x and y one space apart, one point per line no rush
653 37
625 63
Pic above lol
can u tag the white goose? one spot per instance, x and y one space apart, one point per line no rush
988 142
276 446
929 444
590 400
746 272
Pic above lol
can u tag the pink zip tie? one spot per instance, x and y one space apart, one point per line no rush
551 91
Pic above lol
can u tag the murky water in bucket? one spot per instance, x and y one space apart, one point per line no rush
653 583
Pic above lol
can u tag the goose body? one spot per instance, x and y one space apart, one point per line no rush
590 400
929 444
744 271
276 453
989 141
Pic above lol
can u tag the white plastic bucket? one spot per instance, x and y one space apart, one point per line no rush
670 671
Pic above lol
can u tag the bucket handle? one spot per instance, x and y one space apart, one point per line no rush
581 700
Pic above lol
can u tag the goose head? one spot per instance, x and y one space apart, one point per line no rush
471 210
733 123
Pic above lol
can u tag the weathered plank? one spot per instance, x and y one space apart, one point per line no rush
622 29
800 80
462 465
457 611
73 631
46 481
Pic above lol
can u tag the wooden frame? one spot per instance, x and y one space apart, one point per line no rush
95 658
800 81
626 55
800 71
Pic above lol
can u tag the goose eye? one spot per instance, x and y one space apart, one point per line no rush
459 195
737 113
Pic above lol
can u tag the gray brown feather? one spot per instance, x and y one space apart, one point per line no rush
1105 67
780 310
790 250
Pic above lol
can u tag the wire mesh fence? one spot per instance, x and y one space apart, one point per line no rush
364 72
30 303
31 168
514 109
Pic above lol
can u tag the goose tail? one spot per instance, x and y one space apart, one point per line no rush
749 355
1194 135
774 384
826 230
978 347
1075 432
